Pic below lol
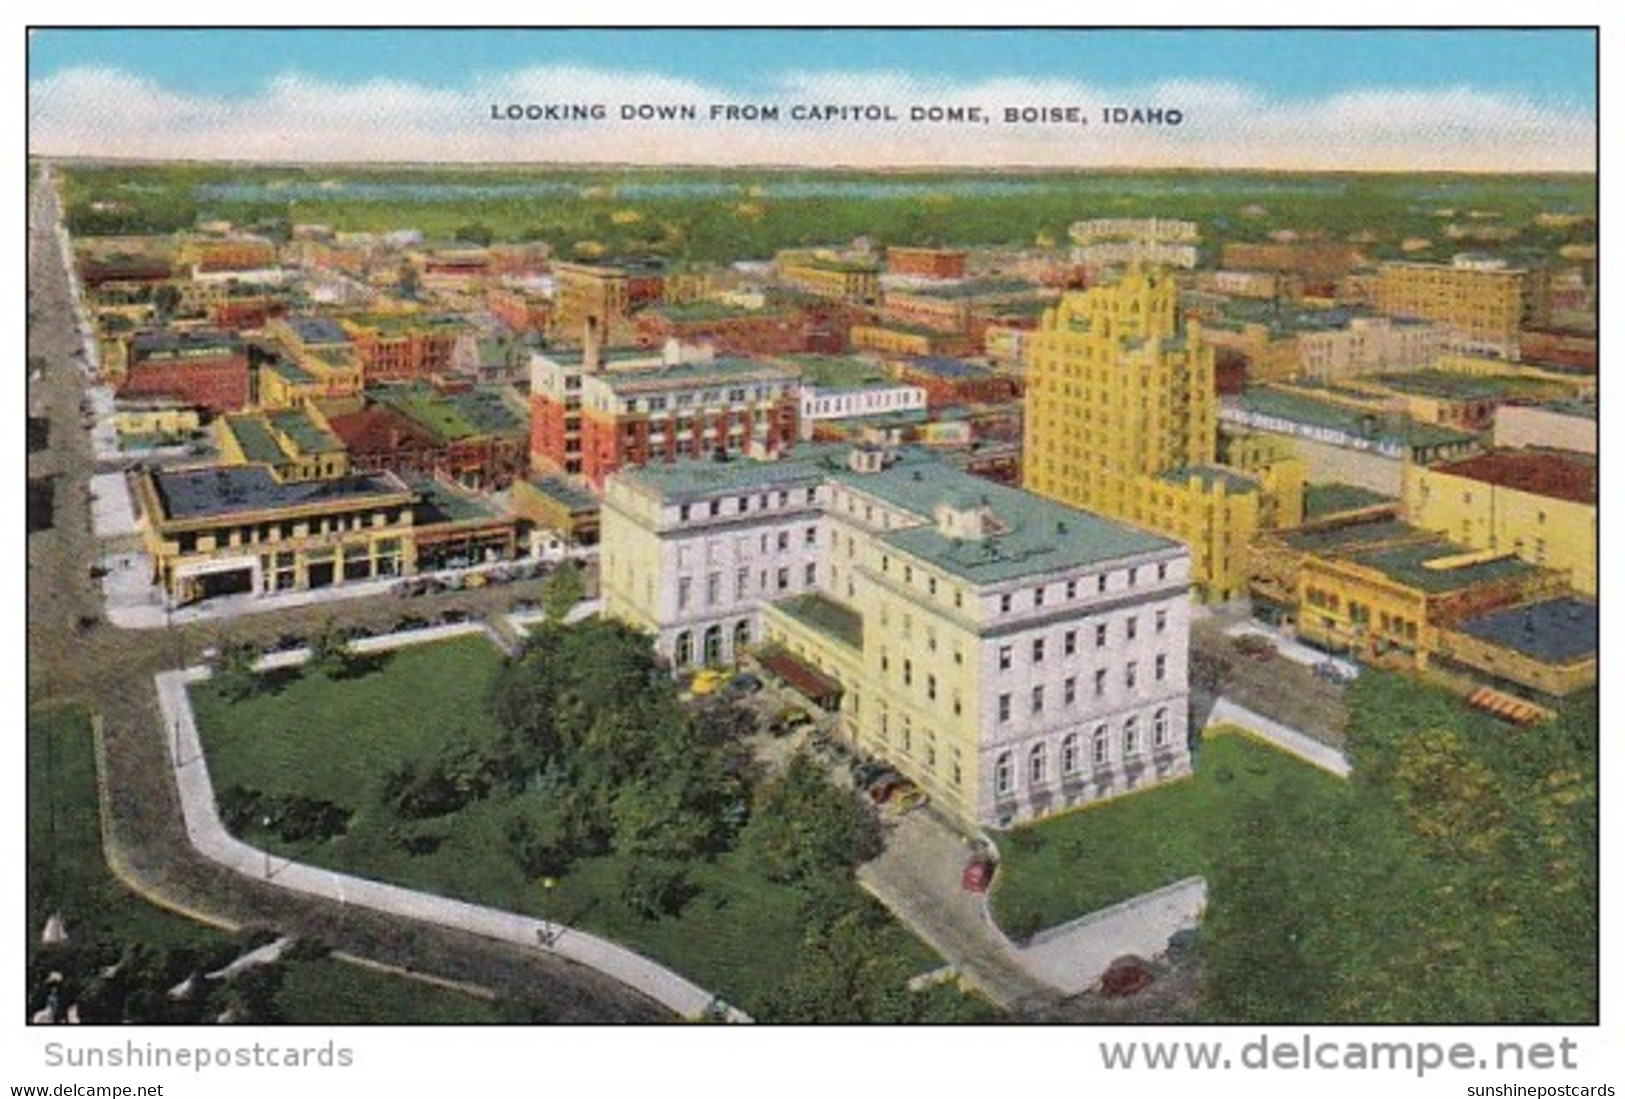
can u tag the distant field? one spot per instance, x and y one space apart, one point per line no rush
720 216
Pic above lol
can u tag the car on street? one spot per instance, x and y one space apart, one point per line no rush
978 874
743 684
707 681
1333 672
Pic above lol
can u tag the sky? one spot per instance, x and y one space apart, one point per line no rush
1482 100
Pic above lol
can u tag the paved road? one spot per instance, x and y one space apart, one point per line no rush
75 657
209 836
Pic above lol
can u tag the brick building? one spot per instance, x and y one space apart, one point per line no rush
204 368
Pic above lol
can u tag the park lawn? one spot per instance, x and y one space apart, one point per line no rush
737 937
329 992
1068 866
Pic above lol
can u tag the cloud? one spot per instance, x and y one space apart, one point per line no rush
303 117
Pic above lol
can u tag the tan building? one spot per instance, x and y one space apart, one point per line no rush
1482 300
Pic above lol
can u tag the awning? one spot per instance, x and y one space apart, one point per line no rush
1506 707
800 675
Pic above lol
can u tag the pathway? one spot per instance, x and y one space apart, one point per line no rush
1289 740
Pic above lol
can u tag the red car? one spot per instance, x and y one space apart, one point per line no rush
978 875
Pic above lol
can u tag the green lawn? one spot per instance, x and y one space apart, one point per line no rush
337 740
1068 866
67 873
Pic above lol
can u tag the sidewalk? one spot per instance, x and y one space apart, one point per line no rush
210 838
1289 740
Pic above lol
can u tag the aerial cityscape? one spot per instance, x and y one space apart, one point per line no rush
686 551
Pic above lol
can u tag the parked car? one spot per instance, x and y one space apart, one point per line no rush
286 643
978 875
865 771
883 788
743 684
707 681
1256 646
524 606
411 622
906 798
1333 672
453 614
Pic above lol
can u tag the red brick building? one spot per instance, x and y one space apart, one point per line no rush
949 381
729 330
926 263
202 368
377 439
402 347
520 311
1562 346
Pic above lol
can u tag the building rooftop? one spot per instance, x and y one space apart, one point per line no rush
700 311
1301 408
237 490
1346 537
1410 565
296 375
305 433
172 340
970 289
1334 497
697 478
1540 472
438 502
378 429
826 616
559 488
1210 476
1467 387
1586 410
830 263
832 372
254 438
316 330
653 379
456 415
1555 631
942 367
402 324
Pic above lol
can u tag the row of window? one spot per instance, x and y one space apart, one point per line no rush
1038 772
1069 686
713 584
742 503
1069 640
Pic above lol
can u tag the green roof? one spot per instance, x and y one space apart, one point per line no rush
1406 564
1333 497
1233 481
394 324
1353 536
439 503
826 616
1468 387
710 311
840 373
972 288
254 437
1300 408
294 374
688 375
453 416
299 427
554 487
689 478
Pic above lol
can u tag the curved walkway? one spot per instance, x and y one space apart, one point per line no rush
209 836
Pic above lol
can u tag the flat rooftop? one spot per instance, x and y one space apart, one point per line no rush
1347 537
1450 385
570 495
697 312
306 435
1554 631
1210 476
653 379
169 341
220 491
826 616
453 416
835 372
1308 411
440 503
1539 472
1409 566
970 289
940 366
254 438
316 330
1335 496
295 375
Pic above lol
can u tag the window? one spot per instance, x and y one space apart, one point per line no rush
1162 667
1004 707
1070 644
908 734
683 585
1159 729
1100 635
741 583
1100 582
1162 621
1070 760
908 673
1131 627
1037 764
908 574
784 579
1004 603
683 513
1038 597
1003 776
931 585
1162 570
1131 674
1100 749
810 576
954 775
1038 699
713 588
810 538
784 539
1004 658
958 706
1133 575
1071 589
1100 682
744 504
931 687
812 494
1038 650
1131 737
959 597
716 507
1070 690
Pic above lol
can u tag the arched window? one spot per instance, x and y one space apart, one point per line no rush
1004 778
1069 754
1037 765
684 650
1131 737
1101 748
741 637
713 644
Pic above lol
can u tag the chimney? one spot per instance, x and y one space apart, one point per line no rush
591 352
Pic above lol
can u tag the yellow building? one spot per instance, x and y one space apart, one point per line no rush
826 275
1539 505
1122 419
1481 299
224 530
1012 656
295 444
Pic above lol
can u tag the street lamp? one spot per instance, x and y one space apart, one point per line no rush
265 822
547 934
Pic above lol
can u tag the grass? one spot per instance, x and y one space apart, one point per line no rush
1069 866
68 873
337 740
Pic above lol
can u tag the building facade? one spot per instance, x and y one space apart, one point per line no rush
205 368
1012 656
1481 300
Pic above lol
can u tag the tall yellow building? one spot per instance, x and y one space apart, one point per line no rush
1122 419
1480 298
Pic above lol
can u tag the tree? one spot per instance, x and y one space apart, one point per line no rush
234 675
562 591
331 653
654 887
802 828
474 233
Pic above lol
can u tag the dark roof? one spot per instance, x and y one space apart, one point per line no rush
947 368
1556 631
1541 473
233 490
147 343
317 329
800 675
